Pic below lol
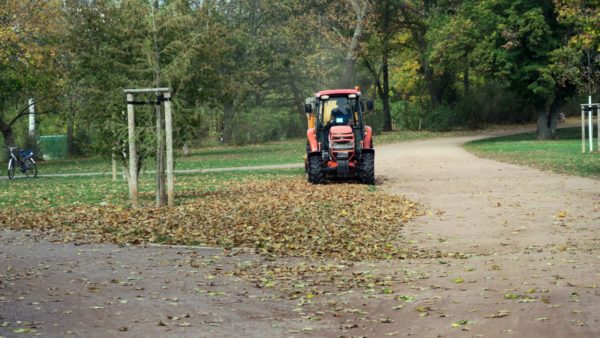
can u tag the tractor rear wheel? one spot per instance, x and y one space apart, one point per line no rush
366 168
315 169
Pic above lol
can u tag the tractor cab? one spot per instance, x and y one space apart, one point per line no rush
339 143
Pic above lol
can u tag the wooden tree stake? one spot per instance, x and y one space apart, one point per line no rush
133 188
169 140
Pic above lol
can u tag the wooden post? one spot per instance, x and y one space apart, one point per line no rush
169 139
160 158
133 188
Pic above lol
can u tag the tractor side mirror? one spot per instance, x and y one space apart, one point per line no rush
308 108
370 105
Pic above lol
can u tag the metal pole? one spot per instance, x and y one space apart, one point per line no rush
169 139
590 124
583 129
133 188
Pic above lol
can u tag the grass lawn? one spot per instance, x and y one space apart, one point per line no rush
283 152
48 192
562 155
214 157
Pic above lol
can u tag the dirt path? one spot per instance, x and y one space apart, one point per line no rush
518 255
529 235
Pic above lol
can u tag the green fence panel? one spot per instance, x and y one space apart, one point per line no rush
53 146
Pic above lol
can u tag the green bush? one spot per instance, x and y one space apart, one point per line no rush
443 118
493 104
265 124
406 114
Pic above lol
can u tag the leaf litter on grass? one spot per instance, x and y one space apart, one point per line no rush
287 217
323 230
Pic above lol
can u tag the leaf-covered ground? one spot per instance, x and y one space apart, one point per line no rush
287 217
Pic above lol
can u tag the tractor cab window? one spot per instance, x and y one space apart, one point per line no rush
339 111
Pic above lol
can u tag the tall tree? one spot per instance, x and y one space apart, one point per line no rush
28 59
386 23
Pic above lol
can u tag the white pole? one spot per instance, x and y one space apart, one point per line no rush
133 189
590 124
32 140
169 141
598 126
31 118
583 129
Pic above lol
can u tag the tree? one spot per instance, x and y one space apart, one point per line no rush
386 24
28 59
517 44
341 26
528 46
454 38
583 18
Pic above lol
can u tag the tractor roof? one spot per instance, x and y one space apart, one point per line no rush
338 92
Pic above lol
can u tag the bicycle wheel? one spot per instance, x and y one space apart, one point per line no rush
11 168
31 168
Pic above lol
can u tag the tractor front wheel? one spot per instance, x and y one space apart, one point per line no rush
315 169
366 168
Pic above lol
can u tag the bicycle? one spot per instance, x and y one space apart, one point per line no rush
24 160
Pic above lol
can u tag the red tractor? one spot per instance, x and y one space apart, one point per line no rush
339 145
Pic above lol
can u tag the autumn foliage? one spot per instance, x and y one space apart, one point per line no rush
281 218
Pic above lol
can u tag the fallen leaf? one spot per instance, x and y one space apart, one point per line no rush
458 280
499 314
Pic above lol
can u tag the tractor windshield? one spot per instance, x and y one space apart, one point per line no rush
339 110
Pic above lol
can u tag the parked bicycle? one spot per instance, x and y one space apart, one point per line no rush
23 159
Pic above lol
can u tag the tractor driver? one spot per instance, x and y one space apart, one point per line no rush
339 114
340 117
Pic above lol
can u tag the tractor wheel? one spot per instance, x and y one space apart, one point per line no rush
366 168
315 169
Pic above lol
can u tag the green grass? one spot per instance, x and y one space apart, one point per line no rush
284 152
562 155
47 192
291 151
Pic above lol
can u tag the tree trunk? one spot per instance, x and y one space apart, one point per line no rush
473 114
70 138
547 121
228 115
385 95
349 67
7 133
466 85
360 8
543 132
428 75
298 100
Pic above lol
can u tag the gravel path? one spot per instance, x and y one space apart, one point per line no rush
518 255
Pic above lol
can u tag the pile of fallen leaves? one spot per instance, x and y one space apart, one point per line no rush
287 217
